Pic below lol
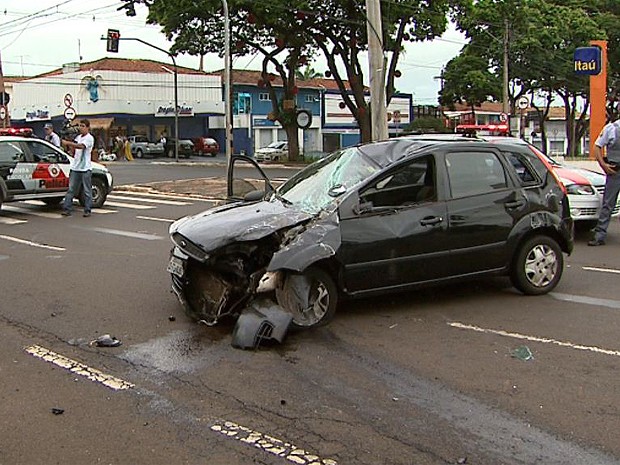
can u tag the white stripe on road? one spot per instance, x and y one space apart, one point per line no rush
138 199
163 196
269 444
11 221
78 368
150 218
581 299
130 205
568 344
602 270
32 244
103 211
30 211
135 235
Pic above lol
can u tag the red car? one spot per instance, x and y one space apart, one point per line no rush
206 146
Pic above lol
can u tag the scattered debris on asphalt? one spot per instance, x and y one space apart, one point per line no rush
106 341
58 411
523 353
172 318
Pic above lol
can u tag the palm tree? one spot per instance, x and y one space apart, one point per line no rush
307 74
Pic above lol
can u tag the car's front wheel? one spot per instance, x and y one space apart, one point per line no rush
311 297
538 265
139 153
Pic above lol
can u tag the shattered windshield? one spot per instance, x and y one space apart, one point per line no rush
315 187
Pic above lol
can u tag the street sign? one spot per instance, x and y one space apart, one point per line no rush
70 113
523 102
503 117
68 100
2 113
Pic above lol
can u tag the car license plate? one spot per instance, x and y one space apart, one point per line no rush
176 266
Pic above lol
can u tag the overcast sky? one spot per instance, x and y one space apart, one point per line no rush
39 36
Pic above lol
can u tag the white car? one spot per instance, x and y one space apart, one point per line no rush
275 151
584 187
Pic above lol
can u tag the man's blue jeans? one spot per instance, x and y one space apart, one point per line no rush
77 179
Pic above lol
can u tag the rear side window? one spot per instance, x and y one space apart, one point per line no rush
11 151
525 173
473 173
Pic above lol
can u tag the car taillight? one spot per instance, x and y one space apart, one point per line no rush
542 158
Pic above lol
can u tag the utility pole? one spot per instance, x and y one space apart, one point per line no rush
505 99
227 83
377 66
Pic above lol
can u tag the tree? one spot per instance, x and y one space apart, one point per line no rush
542 37
274 29
340 32
308 73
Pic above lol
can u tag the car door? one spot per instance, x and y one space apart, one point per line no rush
16 169
246 180
482 208
50 166
396 234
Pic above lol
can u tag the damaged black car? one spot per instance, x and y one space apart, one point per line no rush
370 219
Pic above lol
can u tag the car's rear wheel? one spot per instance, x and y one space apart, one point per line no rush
311 297
171 153
538 265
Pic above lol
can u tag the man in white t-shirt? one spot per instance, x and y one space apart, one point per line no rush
81 169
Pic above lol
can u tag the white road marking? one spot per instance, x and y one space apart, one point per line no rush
581 299
30 211
568 344
130 205
103 211
269 444
151 218
32 244
602 270
135 235
163 196
11 221
138 199
78 368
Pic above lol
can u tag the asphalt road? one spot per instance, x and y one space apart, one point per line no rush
429 377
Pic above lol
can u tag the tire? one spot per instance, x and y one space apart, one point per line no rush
537 266
139 153
311 297
53 202
99 193
171 153
201 153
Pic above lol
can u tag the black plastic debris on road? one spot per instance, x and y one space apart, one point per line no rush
58 411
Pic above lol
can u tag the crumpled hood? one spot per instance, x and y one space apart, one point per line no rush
219 226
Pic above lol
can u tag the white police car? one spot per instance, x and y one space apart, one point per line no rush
32 168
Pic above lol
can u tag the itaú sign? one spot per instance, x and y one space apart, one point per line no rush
587 60
184 110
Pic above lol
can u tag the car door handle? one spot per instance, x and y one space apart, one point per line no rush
515 204
431 220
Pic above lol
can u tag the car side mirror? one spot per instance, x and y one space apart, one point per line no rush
362 207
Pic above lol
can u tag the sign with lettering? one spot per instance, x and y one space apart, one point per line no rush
587 60
184 110
38 115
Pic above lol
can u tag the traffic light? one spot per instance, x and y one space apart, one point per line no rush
113 36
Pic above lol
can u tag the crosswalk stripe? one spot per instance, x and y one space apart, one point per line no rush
11 221
151 218
163 196
142 199
103 211
130 205
30 211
